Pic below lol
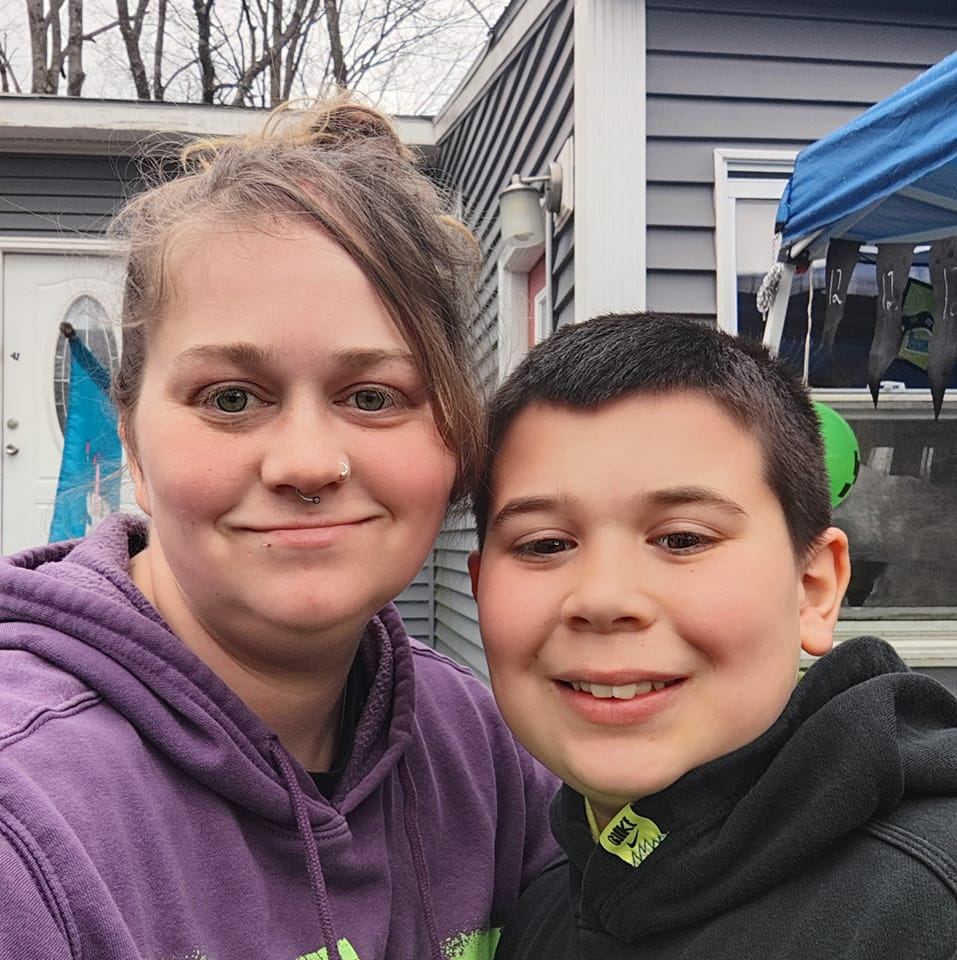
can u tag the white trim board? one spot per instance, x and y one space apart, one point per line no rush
85 126
726 191
610 162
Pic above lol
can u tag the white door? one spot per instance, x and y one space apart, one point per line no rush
39 291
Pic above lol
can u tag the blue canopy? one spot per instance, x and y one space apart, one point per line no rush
888 176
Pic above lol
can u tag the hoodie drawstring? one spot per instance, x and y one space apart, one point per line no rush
317 880
410 797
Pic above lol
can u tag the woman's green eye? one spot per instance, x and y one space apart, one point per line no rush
370 400
231 401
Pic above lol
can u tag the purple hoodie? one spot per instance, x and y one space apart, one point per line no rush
146 812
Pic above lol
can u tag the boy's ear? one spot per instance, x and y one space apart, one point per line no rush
823 584
475 564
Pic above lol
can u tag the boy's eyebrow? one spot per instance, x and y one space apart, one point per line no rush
522 505
668 497
703 496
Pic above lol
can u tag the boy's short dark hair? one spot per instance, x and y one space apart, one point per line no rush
590 364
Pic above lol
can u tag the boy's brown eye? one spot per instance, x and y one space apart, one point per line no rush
683 541
543 547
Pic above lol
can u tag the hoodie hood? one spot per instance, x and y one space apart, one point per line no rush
73 605
744 823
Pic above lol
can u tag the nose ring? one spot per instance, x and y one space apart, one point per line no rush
344 472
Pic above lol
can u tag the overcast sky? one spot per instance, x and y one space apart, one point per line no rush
418 84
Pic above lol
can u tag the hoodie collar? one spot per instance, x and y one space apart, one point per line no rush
751 819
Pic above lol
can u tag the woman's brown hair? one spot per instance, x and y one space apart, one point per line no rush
341 164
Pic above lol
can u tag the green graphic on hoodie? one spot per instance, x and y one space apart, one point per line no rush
477 945
346 951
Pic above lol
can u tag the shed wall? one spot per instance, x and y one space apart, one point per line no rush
518 123
758 74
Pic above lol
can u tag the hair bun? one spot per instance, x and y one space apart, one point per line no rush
330 123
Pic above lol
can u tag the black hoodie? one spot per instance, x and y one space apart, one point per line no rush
833 835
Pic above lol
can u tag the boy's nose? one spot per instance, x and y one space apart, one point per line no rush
608 596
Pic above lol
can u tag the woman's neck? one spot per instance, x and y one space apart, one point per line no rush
300 698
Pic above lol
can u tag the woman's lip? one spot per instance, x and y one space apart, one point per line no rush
315 535
308 525
613 712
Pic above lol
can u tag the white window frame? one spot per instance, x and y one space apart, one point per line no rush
514 265
930 642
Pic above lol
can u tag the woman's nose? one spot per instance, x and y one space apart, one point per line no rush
305 452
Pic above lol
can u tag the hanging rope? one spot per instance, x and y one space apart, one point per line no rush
768 290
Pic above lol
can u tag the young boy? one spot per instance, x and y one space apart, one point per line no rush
655 550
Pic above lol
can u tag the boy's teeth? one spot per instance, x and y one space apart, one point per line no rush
625 691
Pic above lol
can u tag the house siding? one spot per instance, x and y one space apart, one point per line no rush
61 195
518 123
755 74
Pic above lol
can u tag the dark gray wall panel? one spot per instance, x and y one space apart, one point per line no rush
56 195
758 74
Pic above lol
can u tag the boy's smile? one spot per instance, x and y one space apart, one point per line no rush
641 604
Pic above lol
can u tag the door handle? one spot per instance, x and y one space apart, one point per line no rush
12 449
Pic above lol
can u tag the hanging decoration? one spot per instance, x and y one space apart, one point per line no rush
89 484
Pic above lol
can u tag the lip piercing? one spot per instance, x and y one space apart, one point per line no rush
302 496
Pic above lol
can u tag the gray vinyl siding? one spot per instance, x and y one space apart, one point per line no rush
415 605
755 74
44 195
518 123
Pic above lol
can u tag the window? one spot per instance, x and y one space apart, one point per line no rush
92 324
901 517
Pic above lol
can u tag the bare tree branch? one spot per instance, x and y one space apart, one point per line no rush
340 73
131 28
159 91
8 75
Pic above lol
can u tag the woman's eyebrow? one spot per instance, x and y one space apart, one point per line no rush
243 354
239 354
360 358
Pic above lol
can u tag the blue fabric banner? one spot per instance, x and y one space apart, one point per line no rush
89 485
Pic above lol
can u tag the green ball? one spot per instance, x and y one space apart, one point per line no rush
842 453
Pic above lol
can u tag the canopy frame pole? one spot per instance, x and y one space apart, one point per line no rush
774 325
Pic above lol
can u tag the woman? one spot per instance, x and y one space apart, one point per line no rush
216 739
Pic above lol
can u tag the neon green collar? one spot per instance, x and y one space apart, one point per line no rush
628 836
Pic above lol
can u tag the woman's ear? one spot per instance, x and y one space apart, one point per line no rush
133 463
827 573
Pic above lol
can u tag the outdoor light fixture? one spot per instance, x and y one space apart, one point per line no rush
522 202
527 207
